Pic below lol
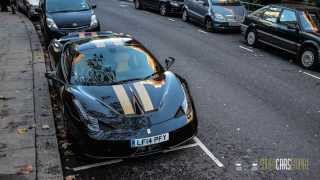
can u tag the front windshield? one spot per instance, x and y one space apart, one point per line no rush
310 20
111 65
225 1
53 6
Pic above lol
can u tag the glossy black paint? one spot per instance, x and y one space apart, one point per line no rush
173 6
167 92
67 22
290 39
203 10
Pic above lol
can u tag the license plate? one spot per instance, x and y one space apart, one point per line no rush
234 23
150 140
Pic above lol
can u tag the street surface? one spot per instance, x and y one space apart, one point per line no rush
251 103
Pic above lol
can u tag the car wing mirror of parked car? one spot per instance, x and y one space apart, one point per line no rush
52 76
169 62
57 46
293 27
94 6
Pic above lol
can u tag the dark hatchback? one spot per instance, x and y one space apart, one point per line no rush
165 7
294 29
215 14
118 100
58 18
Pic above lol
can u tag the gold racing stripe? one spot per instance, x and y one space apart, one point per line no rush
124 99
144 96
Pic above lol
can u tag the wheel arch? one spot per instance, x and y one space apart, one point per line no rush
309 44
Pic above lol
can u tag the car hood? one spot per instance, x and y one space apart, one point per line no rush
229 10
156 99
72 19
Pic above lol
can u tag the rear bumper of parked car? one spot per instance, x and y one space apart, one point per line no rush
121 148
176 9
58 33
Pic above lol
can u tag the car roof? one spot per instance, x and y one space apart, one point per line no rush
298 7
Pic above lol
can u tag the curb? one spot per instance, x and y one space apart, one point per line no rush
48 162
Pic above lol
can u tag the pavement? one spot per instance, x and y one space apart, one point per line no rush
28 144
252 103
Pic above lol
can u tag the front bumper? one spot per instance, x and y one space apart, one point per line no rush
58 33
118 148
226 25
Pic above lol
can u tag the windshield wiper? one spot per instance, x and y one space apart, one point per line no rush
125 81
152 75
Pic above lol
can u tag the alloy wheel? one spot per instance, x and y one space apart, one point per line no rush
251 38
163 10
308 59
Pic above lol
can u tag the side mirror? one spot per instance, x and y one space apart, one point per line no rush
293 27
56 45
52 76
94 6
169 62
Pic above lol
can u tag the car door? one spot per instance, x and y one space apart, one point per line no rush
287 31
191 5
267 24
200 9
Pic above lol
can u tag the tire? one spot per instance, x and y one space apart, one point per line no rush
251 37
209 25
185 15
309 58
137 4
163 9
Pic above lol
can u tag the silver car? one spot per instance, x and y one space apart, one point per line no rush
215 14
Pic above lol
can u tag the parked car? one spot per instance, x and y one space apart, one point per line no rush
215 14
29 7
165 7
58 18
294 29
118 101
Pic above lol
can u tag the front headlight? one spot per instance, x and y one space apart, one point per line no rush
219 17
51 24
187 106
174 3
91 123
94 21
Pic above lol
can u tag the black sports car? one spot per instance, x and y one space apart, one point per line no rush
118 100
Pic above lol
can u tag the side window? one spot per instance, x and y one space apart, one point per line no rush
288 17
272 14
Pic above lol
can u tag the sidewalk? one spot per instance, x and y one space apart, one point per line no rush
28 145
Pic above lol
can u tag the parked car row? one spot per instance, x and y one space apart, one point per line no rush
292 28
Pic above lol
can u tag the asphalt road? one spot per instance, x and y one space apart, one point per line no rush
251 103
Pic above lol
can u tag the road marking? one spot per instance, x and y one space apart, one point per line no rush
181 147
202 31
207 151
170 19
310 75
123 5
247 49
80 168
